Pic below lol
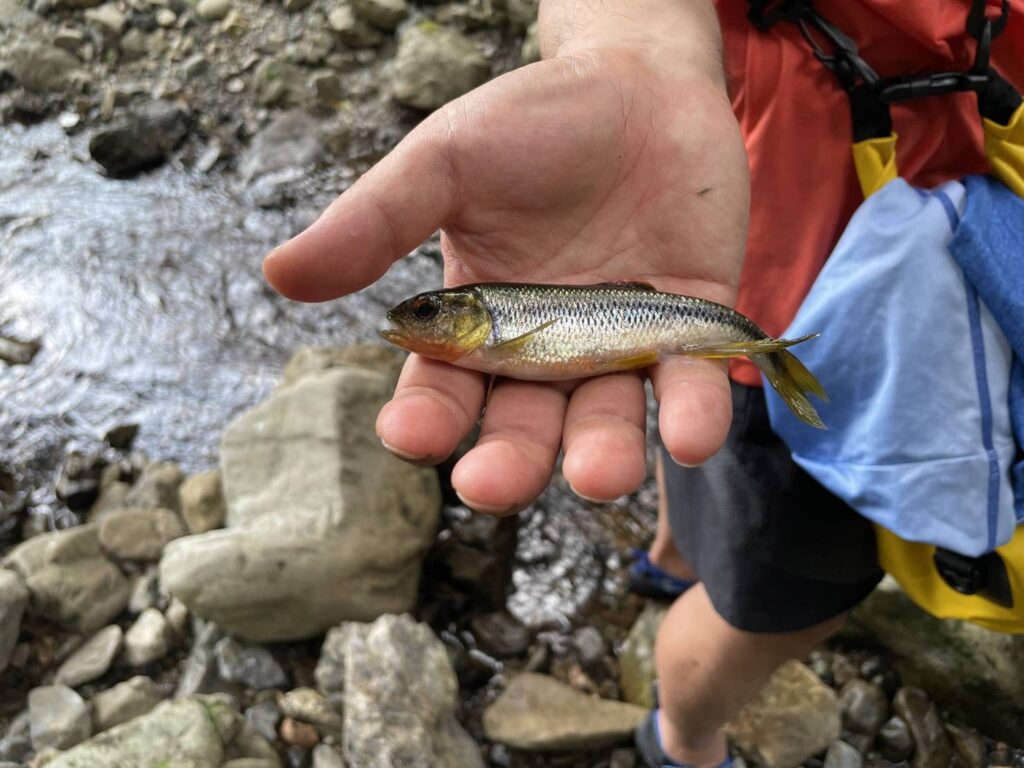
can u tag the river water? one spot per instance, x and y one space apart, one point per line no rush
148 301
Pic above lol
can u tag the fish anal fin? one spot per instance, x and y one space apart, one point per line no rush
738 348
635 361
514 345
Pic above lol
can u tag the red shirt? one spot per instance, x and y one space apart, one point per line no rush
795 120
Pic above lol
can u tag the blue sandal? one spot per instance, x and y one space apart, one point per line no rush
648 580
652 753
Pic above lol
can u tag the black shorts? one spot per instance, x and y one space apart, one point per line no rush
774 549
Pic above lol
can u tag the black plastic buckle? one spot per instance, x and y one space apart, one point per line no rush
845 58
934 84
984 576
977 19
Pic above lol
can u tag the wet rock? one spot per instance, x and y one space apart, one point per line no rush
434 65
894 741
59 717
13 600
312 48
397 671
160 483
16 745
383 14
843 670
636 659
149 638
327 87
249 743
142 139
309 706
122 436
324 525
125 701
326 756
14 352
298 733
590 646
794 717
968 670
139 534
107 18
213 10
289 142
248 665
199 674
530 50
174 733
223 710
500 633
264 718
931 745
864 707
92 659
79 481
969 745
842 755
351 30
280 83
538 713
145 592
478 556
522 13
202 502
69 580
41 68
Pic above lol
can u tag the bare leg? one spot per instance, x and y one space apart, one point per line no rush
663 551
707 671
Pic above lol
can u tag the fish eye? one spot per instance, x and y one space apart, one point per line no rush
424 309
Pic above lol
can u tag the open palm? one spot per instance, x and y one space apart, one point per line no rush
584 169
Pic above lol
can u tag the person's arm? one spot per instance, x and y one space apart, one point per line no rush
615 158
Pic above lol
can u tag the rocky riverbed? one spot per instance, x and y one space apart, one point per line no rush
206 558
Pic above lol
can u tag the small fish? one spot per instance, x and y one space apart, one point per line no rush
552 332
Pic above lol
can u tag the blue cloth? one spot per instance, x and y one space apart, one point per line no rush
989 247
918 373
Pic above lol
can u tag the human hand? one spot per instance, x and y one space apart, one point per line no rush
605 162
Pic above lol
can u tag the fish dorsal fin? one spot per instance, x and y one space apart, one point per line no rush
513 345
636 285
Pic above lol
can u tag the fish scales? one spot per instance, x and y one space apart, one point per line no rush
593 328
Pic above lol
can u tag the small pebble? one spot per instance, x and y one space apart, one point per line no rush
299 734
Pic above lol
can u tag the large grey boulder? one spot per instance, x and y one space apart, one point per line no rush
179 733
13 599
793 718
968 670
400 694
539 713
324 524
69 580
434 65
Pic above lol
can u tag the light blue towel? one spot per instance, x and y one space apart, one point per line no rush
918 371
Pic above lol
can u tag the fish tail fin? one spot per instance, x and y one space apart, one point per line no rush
791 379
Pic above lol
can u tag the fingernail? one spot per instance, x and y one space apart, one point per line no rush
485 509
402 454
591 499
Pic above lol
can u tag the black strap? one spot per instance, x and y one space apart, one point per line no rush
997 99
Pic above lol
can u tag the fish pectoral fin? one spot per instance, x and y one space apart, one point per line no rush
635 361
639 285
739 348
513 345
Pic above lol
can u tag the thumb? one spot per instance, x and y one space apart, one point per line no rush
393 208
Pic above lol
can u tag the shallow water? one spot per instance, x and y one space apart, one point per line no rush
149 303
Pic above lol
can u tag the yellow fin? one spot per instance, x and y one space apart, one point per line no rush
737 348
635 361
513 345
791 379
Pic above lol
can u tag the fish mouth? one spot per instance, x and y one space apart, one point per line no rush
392 335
